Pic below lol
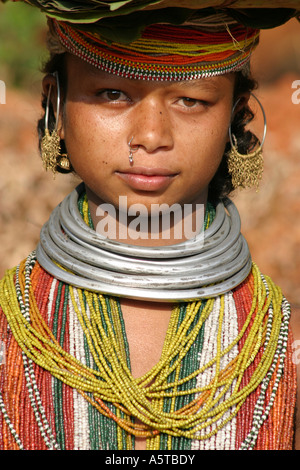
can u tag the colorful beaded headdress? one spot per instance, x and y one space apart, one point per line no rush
164 51
162 39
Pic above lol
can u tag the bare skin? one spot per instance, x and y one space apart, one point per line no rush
180 131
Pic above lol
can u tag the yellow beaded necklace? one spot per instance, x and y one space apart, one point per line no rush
143 398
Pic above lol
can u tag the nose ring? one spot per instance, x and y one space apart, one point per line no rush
132 150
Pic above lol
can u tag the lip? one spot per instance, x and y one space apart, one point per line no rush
147 179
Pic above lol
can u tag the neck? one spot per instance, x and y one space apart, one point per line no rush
159 226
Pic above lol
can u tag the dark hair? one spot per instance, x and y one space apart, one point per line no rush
221 184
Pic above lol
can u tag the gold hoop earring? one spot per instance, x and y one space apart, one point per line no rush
50 145
246 169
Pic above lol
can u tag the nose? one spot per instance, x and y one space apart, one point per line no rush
152 128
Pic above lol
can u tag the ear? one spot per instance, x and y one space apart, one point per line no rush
241 102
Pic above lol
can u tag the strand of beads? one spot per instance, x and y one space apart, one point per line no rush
9 423
32 387
133 397
119 387
261 411
249 350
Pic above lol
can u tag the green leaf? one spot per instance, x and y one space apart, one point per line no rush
118 5
95 11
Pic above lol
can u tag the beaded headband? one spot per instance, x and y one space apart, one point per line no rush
164 52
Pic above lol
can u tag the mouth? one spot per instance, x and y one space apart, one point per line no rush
147 179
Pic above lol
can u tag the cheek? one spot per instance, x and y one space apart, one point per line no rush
84 143
206 149
79 129
93 146
87 134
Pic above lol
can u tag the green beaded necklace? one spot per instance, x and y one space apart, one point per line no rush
104 432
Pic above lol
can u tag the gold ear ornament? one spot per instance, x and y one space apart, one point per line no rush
50 145
246 169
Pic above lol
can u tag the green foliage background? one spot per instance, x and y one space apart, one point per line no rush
22 44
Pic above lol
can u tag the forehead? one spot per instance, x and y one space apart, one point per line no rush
82 72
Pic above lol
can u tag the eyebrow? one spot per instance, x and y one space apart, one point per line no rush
199 83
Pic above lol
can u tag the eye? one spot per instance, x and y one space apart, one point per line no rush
191 102
112 95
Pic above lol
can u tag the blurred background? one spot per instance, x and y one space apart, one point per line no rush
270 217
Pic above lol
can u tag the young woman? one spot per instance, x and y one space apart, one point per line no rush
121 331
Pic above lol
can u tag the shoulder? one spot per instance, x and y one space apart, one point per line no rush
295 326
295 321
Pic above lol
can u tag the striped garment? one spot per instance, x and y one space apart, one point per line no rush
39 412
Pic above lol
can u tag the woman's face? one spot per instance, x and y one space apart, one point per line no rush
180 128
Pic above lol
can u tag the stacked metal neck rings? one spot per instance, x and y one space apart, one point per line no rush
195 269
